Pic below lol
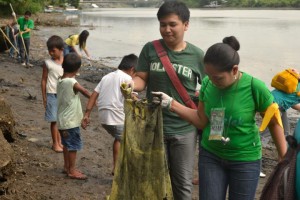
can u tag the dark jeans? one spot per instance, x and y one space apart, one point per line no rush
216 175
67 49
24 56
12 49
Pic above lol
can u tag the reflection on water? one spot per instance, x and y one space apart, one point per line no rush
269 38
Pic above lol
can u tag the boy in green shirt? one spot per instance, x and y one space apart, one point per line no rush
26 25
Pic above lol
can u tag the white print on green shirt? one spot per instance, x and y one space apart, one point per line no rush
180 69
233 122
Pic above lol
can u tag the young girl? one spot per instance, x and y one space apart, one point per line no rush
73 40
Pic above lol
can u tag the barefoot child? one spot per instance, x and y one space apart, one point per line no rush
51 71
69 113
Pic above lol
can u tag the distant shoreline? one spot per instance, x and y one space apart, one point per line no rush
5 17
57 18
248 8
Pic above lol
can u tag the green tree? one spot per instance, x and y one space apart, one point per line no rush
74 3
21 6
204 2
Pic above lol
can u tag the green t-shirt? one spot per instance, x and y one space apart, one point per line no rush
25 24
241 101
188 65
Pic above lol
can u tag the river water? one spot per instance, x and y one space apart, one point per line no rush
269 38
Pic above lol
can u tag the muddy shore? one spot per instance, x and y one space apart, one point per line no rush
36 170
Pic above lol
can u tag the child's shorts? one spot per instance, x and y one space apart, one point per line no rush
51 108
71 139
115 130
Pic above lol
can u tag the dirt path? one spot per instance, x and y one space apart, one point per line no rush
36 171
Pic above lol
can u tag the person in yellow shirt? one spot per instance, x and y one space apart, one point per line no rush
73 40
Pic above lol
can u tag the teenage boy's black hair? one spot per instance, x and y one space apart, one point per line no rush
71 63
174 7
55 42
128 62
28 13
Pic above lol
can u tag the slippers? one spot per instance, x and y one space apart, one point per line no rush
78 175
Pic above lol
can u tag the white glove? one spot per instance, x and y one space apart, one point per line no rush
163 99
13 14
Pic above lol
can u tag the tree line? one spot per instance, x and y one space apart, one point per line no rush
250 3
34 6
38 5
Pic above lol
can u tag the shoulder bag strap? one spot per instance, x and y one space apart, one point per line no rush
163 56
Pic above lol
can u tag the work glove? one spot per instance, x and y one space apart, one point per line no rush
163 99
13 14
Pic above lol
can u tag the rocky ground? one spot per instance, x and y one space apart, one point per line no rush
35 170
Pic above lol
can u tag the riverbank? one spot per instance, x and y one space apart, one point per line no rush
36 170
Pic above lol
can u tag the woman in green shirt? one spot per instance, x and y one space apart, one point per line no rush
230 153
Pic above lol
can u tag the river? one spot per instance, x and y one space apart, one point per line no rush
269 38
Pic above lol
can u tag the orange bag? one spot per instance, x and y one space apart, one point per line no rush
286 81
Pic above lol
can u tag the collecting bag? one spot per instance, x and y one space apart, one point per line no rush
141 171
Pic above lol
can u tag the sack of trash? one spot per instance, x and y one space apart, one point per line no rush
141 171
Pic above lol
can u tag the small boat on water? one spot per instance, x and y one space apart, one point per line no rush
212 4
49 9
67 9
71 9
94 5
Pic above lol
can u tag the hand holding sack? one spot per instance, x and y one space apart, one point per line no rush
127 89
163 99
